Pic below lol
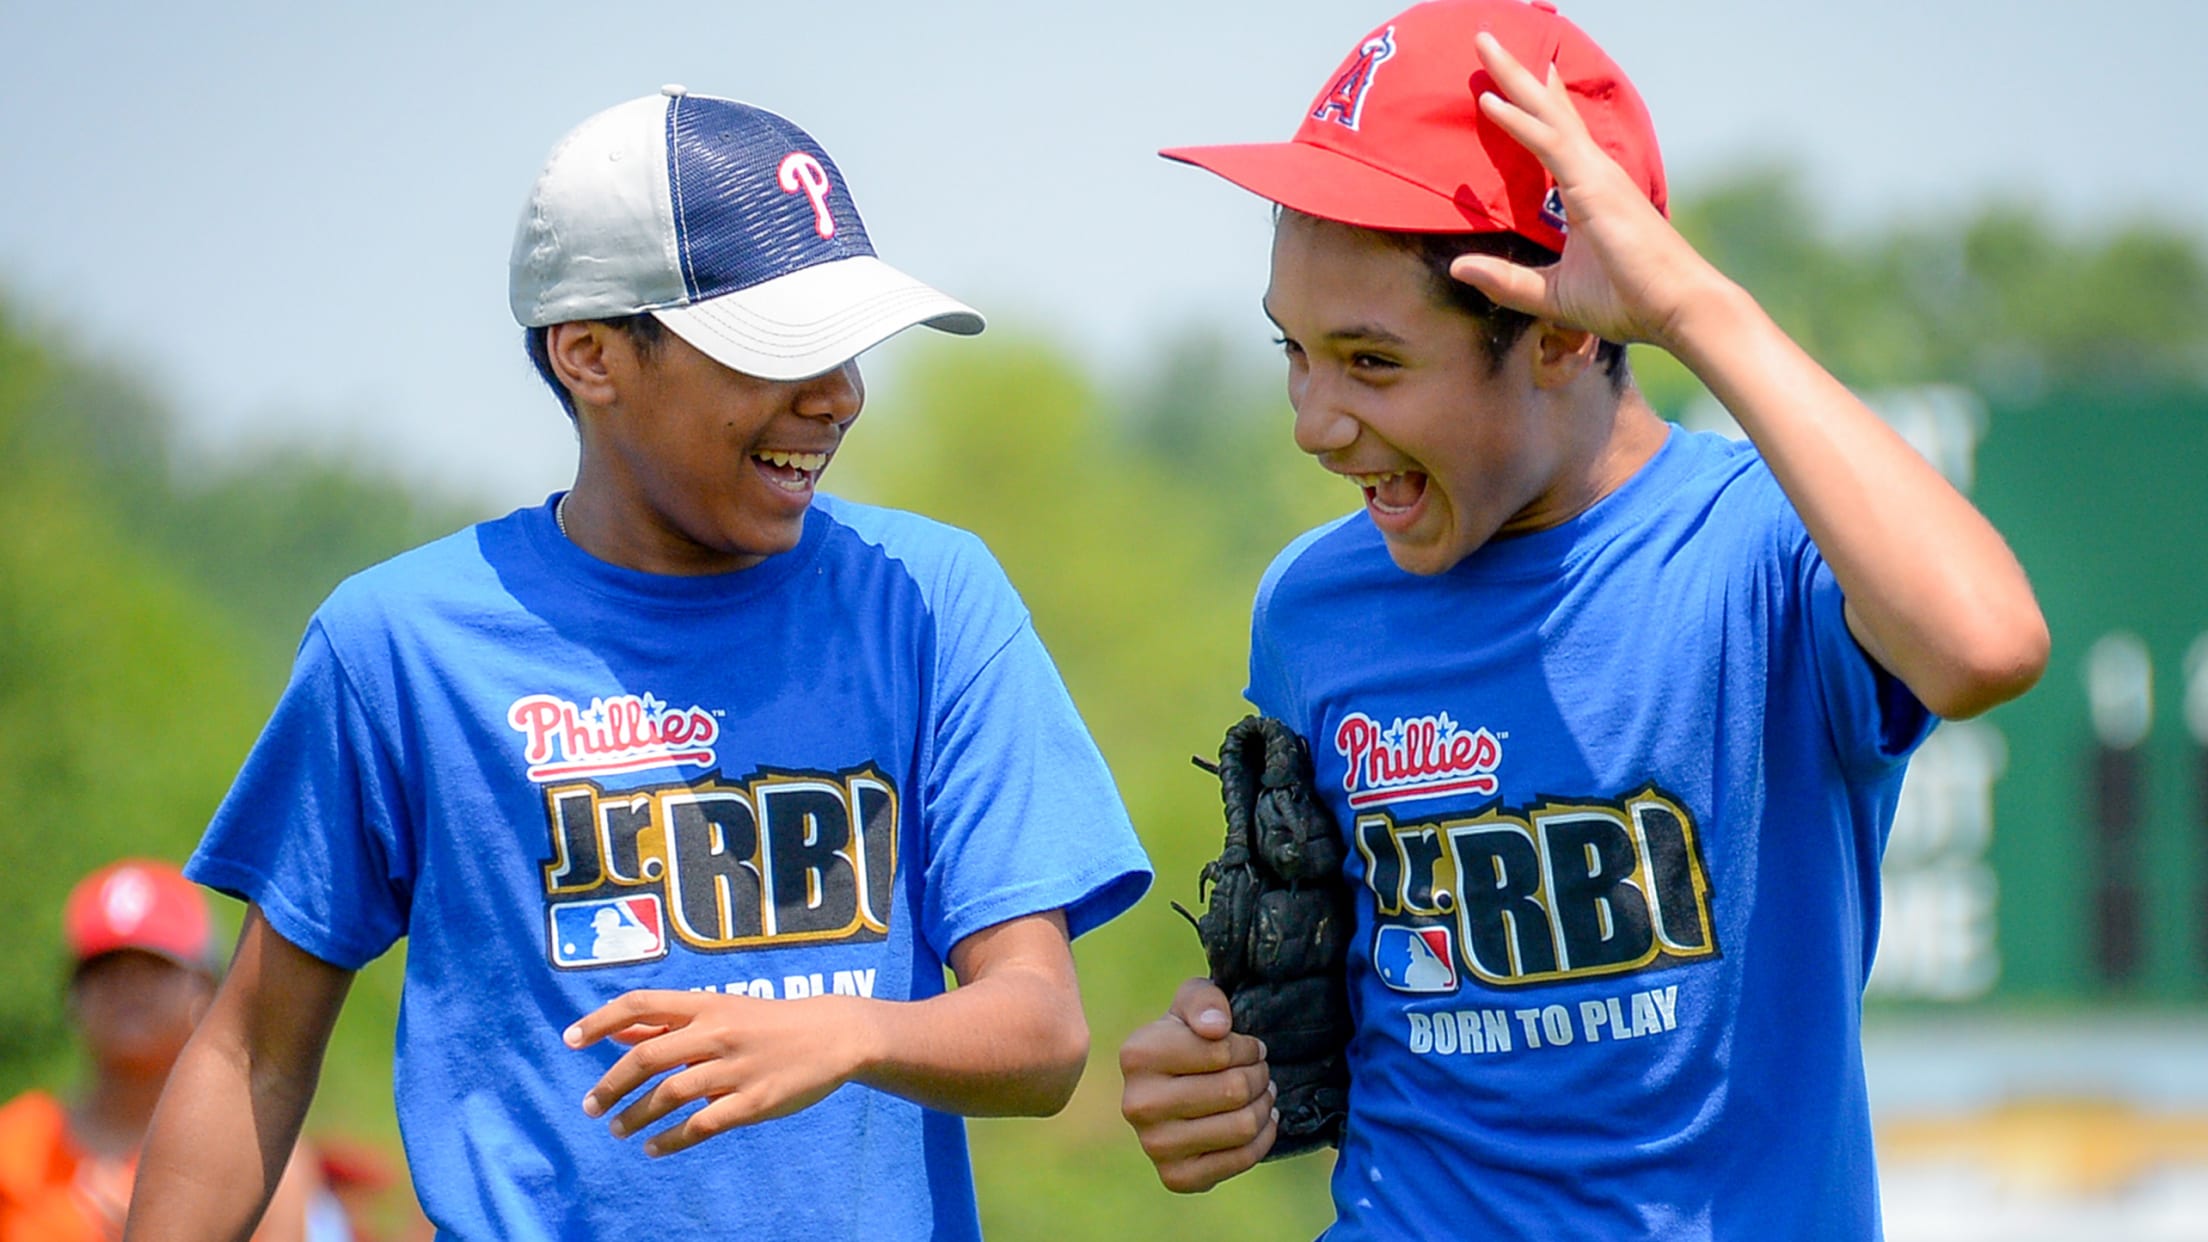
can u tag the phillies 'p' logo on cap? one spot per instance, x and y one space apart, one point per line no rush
801 173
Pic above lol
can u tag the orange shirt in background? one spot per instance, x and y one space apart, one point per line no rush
50 1190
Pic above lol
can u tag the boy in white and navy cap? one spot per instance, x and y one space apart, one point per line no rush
684 786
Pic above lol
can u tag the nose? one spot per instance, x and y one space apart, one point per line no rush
833 395
1323 425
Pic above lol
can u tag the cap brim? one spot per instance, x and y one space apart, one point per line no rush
204 963
815 319
1333 186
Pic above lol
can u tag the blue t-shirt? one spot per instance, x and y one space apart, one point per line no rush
1616 793
561 780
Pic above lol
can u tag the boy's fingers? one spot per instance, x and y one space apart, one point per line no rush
636 1067
1200 1173
1154 1101
1202 1007
1505 283
1519 87
1187 1138
1167 1047
640 1008
1545 98
1539 114
1520 124
723 1114
664 1097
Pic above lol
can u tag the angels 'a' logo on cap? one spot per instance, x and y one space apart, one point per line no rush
1344 101
801 173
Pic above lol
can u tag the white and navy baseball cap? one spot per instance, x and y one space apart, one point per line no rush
725 222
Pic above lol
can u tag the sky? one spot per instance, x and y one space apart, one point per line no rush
295 218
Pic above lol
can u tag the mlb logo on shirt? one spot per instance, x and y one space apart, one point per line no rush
608 933
1415 959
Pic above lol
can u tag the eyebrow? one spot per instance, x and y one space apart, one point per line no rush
1352 334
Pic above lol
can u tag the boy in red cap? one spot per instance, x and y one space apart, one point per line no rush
144 974
1614 716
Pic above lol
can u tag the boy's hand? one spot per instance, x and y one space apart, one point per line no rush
753 1059
1626 274
1199 1096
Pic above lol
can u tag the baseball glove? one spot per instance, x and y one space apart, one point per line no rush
1276 927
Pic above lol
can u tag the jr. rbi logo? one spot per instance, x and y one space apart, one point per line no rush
1344 100
801 173
1557 890
779 859
782 857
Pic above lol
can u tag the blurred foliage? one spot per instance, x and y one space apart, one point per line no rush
148 611
264 537
2002 300
149 604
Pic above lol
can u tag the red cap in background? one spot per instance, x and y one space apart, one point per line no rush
1395 139
139 904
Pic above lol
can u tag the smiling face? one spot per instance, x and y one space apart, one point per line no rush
1394 391
689 467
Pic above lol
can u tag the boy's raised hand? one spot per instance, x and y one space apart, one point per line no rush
1626 274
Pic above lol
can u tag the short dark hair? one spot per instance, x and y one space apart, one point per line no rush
646 331
1501 326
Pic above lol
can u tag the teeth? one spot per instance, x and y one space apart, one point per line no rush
1374 480
809 462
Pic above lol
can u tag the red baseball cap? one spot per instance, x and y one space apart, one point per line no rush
1395 139
139 904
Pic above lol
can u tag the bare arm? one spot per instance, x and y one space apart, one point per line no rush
1009 1040
230 1115
286 1217
1932 592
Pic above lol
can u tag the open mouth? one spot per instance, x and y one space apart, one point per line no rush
1393 494
792 472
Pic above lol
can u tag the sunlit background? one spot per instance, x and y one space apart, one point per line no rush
253 336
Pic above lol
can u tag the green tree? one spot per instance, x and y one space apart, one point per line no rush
145 624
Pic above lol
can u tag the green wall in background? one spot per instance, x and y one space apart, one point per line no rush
2104 497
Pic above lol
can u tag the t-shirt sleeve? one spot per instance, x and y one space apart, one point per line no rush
1876 721
313 830
1271 690
1022 813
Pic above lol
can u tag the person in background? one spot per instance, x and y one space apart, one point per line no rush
143 972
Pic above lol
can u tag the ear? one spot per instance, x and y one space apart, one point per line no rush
578 352
1560 354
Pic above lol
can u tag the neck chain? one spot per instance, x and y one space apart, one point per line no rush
559 517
